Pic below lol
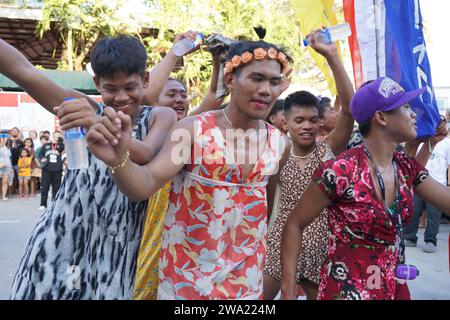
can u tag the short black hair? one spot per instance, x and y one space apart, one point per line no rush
324 103
300 99
240 47
277 107
179 81
122 53
364 127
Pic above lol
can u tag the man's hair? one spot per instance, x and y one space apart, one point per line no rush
301 99
277 107
324 103
46 132
123 53
240 47
179 81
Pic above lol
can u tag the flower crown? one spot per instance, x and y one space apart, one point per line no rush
258 54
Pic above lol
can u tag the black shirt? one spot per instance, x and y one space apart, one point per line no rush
15 147
50 156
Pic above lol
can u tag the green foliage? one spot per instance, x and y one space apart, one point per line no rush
232 18
81 22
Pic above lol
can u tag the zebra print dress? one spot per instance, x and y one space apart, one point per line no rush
85 244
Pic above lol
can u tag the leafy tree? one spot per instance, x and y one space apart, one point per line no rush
232 18
80 23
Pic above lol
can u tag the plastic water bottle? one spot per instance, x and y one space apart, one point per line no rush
185 45
76 147
331 34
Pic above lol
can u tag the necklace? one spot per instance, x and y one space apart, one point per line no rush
303 157
225 115
240 138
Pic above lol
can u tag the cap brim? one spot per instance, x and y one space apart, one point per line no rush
407 97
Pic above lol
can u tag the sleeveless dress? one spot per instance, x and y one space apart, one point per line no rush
85 244
293 182
213 243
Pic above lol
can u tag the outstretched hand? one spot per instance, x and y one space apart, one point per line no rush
110 138
326 50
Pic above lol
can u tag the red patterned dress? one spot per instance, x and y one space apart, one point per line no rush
363 247
213 244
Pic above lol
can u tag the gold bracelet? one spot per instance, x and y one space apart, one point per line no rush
113 169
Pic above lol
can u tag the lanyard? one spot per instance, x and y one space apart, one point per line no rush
394 214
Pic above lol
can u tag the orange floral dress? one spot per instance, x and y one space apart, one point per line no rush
213 243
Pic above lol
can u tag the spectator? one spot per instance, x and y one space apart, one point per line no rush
327 117
6 170
29 145
276 116
52 166
437 166
43 140
24 164
15 145
33 135
57 135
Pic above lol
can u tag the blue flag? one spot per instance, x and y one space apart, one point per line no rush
407 60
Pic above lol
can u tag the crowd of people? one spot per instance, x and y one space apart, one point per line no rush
31 165
216 203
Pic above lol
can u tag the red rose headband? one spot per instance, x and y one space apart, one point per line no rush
259 54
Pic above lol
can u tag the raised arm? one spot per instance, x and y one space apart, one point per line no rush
135 181
210 102
47 93
339 137
428 144
311 204
160 73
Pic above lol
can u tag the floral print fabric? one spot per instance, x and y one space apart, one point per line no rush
146 282
363 246
213 244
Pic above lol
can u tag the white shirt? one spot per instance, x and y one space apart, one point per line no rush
5 156
36 144
439 161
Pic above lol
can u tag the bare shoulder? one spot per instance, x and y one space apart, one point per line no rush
162 115
189 123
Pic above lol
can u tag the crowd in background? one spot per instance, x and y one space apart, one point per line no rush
30 165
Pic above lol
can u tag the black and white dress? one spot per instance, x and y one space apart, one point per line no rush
85 244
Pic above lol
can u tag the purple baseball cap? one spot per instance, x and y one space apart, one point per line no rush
382 94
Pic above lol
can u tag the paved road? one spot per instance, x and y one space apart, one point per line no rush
18 217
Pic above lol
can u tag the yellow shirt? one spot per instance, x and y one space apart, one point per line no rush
24 167
147 273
